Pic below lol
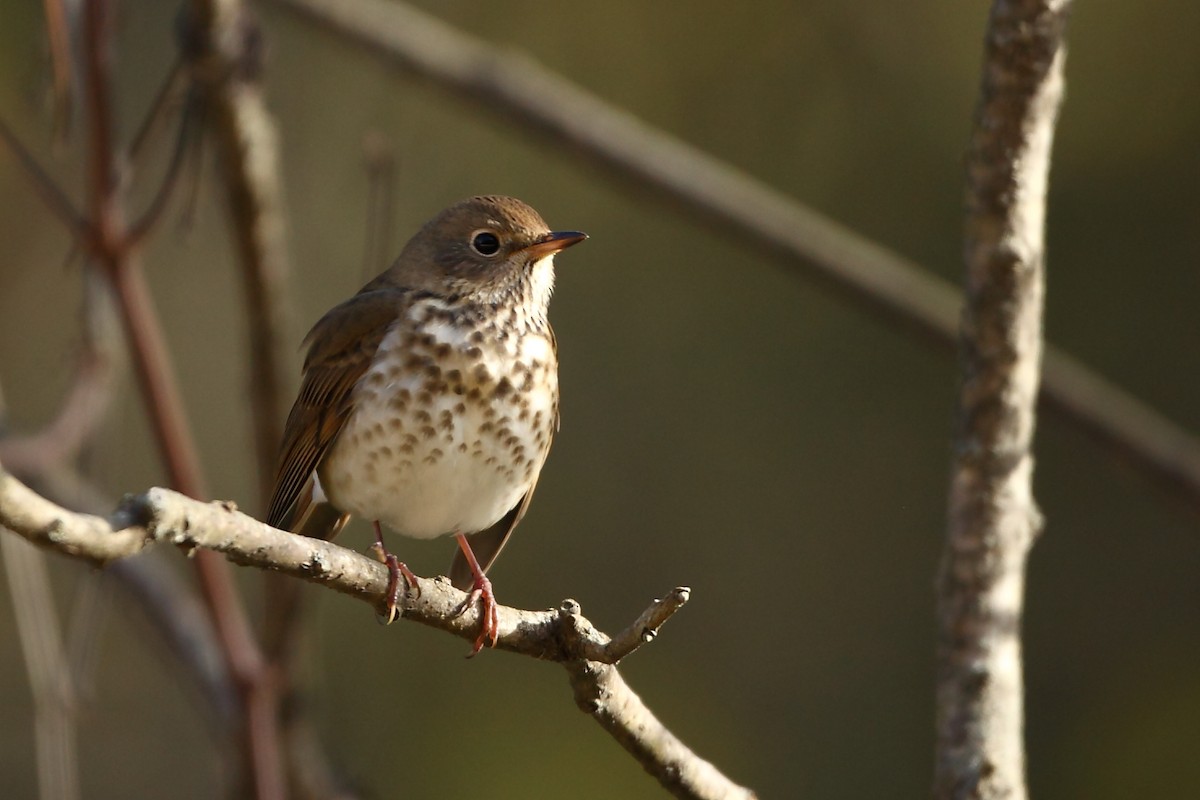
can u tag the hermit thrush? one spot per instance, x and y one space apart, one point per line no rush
430 398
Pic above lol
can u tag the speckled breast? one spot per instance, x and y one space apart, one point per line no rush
450 425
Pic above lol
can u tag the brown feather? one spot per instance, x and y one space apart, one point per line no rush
487 544
341 347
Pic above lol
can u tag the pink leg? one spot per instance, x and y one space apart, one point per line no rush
489 618
396 568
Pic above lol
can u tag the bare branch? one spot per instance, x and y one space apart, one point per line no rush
88 537
112 248
223 47
223 44
993 518
48 461
602 693
561 635
644 629
867 274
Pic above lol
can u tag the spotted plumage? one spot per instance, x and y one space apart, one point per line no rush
430 398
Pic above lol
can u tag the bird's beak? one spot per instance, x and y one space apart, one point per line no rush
551 243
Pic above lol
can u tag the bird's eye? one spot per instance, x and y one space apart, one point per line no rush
485 243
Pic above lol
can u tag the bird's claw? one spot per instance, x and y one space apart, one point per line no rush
396 570
489 616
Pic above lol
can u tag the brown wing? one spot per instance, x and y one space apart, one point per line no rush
340 348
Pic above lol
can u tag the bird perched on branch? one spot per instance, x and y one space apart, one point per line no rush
430 398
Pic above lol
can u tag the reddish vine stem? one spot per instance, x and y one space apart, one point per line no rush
60 63
110 244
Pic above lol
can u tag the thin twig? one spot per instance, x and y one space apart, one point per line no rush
224 53
86 623
50 459
173 611
869 275
111 249
58 672
157 110
645 628
47 669
223 48
59 35
170 606
993 517
380 162
143 224
560 635
54 198
84 408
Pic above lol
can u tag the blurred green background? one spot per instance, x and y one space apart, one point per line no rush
726 425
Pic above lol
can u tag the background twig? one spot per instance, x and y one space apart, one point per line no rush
992 515
225 51
111 247
47 668
55 664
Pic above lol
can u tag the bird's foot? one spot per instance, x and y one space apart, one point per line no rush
396 569
489 617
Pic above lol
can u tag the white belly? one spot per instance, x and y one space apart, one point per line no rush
430 453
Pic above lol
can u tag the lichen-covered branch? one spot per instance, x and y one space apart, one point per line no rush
993 518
